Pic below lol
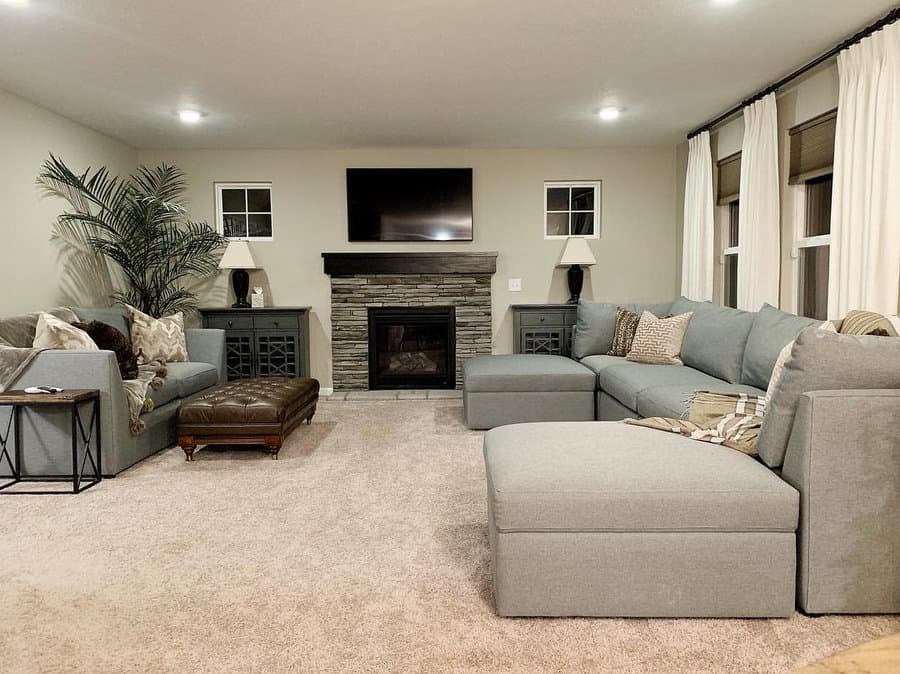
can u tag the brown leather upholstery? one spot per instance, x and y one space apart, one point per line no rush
250 401
247 411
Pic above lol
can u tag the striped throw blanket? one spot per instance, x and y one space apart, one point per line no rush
730 419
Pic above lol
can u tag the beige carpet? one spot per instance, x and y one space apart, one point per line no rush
362 549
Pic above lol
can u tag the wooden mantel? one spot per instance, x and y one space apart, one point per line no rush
352 264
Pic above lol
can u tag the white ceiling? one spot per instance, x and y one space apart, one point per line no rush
350 73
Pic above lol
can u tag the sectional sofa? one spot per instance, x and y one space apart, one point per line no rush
46 434
608 519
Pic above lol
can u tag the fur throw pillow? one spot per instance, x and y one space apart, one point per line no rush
108 338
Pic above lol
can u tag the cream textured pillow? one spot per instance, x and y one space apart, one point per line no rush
658 340
158 338
54 333
778 370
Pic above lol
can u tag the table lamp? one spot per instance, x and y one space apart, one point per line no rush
576 253
239 259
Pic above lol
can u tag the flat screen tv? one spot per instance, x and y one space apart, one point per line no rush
400 204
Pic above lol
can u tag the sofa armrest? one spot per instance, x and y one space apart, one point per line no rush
205 345
75 370
844 459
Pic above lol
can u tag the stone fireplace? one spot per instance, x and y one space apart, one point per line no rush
405 296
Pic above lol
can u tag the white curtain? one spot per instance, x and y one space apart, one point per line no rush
864 268
759 218
697 255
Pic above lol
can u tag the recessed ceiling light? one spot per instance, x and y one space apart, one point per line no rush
190 116
609 114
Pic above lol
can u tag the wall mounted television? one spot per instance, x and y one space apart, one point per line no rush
409 204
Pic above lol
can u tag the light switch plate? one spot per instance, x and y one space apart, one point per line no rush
515 285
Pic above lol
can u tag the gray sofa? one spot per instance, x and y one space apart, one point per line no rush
605 519
45 434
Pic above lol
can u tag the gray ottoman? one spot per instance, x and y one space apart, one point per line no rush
499 390
607 519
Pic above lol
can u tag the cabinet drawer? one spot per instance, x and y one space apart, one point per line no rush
538 318
276 322
229 322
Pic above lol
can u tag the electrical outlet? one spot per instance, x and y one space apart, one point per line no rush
515 285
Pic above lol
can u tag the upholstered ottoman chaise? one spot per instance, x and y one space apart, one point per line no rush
511 389
247 412
608 519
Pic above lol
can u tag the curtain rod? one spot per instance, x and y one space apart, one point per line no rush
889 18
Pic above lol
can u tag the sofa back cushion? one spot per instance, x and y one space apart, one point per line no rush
715 339
825 361
114 316
772 330
596 324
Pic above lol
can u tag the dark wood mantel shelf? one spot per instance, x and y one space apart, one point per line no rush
351 264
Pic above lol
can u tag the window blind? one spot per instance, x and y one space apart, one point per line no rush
729 170
812 148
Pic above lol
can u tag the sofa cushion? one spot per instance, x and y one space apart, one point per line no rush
166 394
596 324
192 377
616 477
625 381
825 361
114 316
772 330
526 372
715 339
673 401
599 363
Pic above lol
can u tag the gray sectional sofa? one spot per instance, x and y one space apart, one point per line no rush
45 434
607 519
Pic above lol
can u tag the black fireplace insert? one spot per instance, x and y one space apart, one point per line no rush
412 347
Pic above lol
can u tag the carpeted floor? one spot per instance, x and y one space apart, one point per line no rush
362 549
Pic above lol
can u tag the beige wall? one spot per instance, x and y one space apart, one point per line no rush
636 257
805 98
30 272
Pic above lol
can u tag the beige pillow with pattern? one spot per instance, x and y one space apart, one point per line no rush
658 340
158 338
54 333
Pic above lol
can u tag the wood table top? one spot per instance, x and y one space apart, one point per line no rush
67 397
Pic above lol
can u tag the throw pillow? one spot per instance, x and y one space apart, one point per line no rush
158 338
825 361
658 340
778 370
626 325
870 323
54 333
108 338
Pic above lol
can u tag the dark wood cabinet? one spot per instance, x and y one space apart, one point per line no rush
267 342
543 328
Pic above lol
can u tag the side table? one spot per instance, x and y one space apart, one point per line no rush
82 434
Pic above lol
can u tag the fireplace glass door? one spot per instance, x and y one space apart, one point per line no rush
412 347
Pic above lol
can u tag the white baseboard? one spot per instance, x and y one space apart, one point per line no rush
326 391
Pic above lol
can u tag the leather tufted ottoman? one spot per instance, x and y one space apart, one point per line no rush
258 411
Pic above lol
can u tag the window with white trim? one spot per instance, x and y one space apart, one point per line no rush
572 209
244 211
813 246
730 251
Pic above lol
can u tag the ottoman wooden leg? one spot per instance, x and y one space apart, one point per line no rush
273 443
188 445
312 413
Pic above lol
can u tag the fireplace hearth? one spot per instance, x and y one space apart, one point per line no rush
412 347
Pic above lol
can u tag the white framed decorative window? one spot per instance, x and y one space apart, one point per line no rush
244 211
572 209
812 246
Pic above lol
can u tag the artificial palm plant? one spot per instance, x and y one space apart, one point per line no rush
140 224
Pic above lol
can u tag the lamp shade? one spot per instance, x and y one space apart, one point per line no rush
577 251
238 256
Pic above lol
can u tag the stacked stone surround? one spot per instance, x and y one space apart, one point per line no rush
351 297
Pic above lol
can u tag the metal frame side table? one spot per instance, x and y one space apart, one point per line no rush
81 435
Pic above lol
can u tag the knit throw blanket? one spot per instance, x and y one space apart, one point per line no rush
730 419
17 352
